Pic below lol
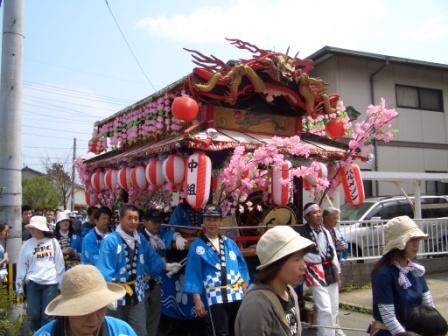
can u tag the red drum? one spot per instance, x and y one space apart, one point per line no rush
199 174
138 178
282 192
353 187
154 173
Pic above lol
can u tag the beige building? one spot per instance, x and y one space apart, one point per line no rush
419 92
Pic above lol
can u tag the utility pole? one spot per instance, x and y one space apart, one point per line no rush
72 201
11 123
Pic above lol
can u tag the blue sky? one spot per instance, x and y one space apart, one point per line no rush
77 68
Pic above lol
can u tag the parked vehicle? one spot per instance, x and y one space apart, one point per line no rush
363 226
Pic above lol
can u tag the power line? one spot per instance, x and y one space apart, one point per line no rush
46 116
55 129
51 136
129 46
46 147
54 107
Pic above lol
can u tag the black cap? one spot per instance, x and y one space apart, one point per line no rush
154 215
212 210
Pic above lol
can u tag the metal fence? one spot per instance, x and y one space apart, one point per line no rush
366 238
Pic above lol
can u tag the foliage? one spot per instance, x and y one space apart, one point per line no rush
61 179
10 323
40 193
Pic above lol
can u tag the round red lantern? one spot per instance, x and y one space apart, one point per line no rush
97 180
310 181
124 178
353 186
110 179
138 178
90 198
335 128
154 173
173 169
199 175
185 108
281 184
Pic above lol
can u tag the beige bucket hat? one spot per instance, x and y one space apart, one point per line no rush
62 215
39 223
398 231
279 242
83 291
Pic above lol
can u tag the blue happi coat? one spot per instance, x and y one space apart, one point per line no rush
112 263
91 248
203 272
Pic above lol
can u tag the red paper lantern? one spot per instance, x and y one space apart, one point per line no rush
138 178
353 187
154 173
124 178
335 128
111 179
281 192
185 108
97 180
199 175
174 170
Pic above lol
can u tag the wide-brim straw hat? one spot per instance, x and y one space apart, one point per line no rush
39 223
398 231
279 242
83 291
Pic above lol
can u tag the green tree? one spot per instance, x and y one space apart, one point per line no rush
57 173
40 193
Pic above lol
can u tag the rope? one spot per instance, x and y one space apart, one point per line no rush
312 326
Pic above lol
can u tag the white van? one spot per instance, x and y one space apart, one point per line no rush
366 239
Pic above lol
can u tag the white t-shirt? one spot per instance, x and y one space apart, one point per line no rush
40 261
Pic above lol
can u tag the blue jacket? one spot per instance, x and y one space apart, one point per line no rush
115 327
91 248
112 263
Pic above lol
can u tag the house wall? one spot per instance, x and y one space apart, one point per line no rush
421 143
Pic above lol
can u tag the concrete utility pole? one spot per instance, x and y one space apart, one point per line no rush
72 200
11 123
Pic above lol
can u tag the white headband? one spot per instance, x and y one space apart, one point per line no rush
310 208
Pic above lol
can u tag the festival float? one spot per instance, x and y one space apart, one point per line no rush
251 135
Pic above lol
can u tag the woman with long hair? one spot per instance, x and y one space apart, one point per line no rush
398 283
270 307
69 241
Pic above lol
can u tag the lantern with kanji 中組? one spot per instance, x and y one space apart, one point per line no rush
281 183
154 173
199 174
138 178
174 170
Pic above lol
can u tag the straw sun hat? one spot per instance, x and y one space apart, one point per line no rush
83 291
398 231
39 223
279 242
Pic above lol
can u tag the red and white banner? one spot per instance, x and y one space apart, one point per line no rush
353 187
138 178
154 173
124 178
111 179
90 198
174 170
97 180
282 190
199 174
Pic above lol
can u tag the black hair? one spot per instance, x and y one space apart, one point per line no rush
128 207
389 258
26 208
102 210
57 233
426 321
91 210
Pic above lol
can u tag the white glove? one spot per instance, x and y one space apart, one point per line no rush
180 242
172 268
